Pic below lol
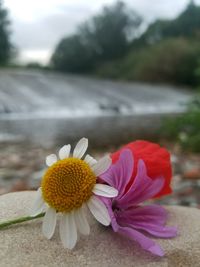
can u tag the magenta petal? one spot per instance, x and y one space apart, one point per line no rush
145 242
150 213
126 216
143 188
108 204
119 174
156 230
157 250
151 219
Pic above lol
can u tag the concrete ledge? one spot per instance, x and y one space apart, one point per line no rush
24 245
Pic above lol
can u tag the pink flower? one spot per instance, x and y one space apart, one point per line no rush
128 216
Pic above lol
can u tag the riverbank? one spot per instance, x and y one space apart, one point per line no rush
22 166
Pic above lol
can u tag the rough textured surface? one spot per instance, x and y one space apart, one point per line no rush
24 245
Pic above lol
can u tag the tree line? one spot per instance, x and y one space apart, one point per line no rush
5 44
111 44
102 38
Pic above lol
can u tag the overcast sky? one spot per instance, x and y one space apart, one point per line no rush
37 26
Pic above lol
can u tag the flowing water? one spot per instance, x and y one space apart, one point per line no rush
47 107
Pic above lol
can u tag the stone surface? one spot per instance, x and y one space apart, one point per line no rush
24 245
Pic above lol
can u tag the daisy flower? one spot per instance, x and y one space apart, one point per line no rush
129 216
68 188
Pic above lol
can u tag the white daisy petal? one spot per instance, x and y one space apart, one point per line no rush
49 223
38 205
102 165
99 210
81 221
90 160
51 159
68 230
64 152
105 190
80 148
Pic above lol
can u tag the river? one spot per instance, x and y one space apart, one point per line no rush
47 108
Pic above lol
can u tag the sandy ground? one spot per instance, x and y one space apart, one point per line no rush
24 245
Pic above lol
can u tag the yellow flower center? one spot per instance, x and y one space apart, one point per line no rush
67 184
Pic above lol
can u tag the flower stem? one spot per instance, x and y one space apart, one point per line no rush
20 220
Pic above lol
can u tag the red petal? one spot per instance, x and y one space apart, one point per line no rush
156 158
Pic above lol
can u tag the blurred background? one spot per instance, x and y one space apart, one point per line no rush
111 71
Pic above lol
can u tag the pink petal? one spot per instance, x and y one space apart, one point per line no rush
156 230
119 174
108 204
143 188
145 242
151 219
151 213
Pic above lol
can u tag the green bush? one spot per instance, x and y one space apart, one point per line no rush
170 61
185 129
